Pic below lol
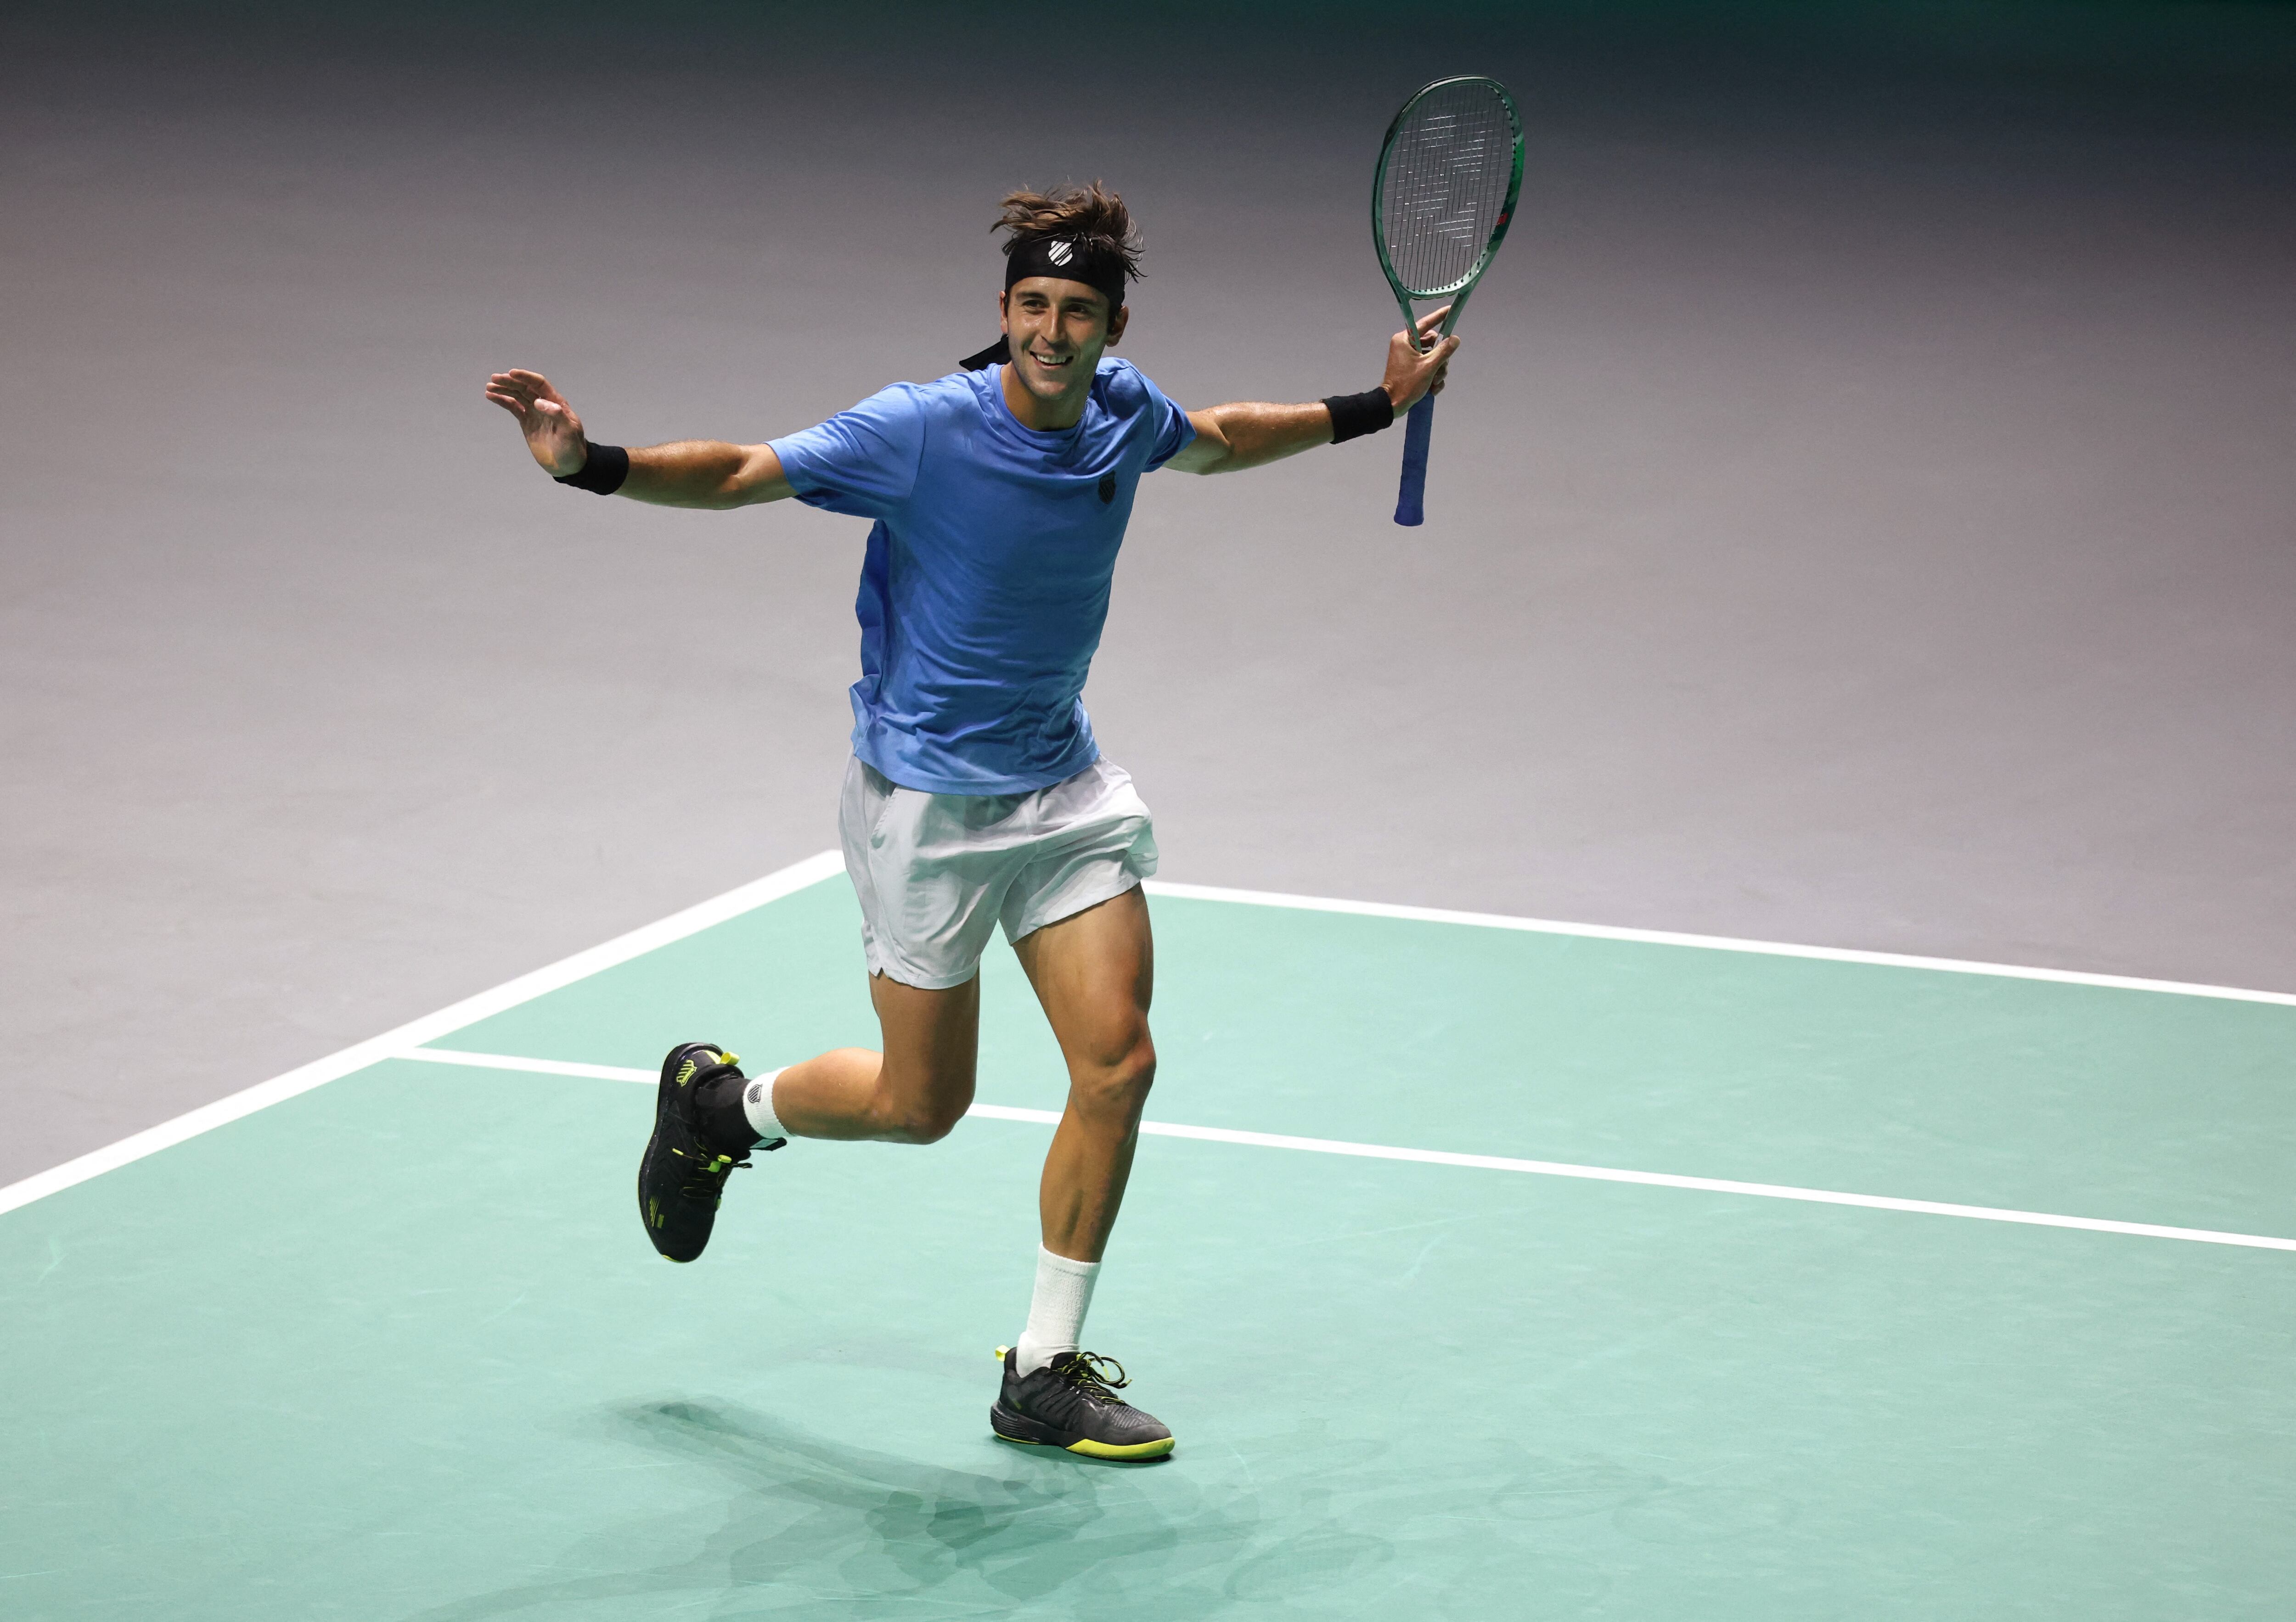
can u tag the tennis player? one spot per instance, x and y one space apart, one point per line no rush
977 796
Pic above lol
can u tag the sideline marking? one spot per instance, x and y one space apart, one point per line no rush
1480 1162
540 1067
1717 943
526 988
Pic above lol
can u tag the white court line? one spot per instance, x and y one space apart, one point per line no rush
525 989
814 869
1478 1162
1718 943
540 1067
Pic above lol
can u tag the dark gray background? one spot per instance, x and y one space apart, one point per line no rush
1862 515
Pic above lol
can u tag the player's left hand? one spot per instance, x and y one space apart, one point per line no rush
1414 374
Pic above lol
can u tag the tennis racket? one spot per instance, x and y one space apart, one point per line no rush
1448 173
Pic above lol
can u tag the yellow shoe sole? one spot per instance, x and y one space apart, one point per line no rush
1091 1449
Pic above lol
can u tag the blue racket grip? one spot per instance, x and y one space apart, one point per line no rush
1420 427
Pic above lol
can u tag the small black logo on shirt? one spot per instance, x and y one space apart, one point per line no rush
1107 488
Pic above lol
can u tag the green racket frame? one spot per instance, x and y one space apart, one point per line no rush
1410 506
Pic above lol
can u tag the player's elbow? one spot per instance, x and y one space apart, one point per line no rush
741 491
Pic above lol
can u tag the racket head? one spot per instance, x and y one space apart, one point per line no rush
1444 193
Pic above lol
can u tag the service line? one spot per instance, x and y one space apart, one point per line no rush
1475 1162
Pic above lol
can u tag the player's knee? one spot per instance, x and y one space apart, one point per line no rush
1118 1082
930 1123
926 1115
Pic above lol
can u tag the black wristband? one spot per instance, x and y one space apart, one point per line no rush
1354 415
604 473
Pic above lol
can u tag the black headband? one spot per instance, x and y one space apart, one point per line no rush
1094 264
1097 265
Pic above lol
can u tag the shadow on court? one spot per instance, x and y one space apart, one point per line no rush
815 1528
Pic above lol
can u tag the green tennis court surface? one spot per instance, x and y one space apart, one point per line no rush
396 1347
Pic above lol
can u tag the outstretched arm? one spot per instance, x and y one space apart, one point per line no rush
1249 434
687 473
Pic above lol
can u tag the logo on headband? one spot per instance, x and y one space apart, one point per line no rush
1061 253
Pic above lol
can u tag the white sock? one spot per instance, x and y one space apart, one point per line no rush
757 1104
1056 1311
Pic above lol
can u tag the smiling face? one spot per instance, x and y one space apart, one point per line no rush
1057 330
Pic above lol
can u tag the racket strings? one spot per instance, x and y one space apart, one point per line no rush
1450 164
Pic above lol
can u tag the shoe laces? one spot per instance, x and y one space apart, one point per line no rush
1088 1372
708 1177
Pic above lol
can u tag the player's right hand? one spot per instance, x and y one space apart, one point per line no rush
1416 365
553 433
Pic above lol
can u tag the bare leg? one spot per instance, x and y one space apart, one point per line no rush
913 1092
1093 972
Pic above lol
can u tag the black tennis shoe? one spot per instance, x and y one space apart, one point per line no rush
682 1174
1072 1403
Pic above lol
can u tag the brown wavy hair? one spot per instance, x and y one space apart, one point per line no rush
1081 214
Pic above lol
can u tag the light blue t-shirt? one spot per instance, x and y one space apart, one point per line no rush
986 582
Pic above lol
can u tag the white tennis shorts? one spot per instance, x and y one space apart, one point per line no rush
936 872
